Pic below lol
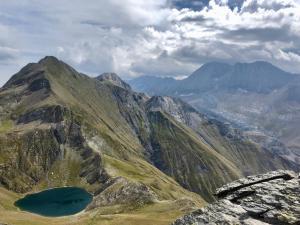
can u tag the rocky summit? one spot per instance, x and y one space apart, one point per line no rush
271 198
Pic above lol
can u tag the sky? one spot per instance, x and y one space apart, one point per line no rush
148 37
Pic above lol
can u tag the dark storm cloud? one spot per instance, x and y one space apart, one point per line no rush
192 4
199 4
268 34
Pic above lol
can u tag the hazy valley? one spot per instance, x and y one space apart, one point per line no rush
258 98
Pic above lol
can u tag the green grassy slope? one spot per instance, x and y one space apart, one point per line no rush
180 153
245 154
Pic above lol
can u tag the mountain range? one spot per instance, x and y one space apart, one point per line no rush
259 98
146 160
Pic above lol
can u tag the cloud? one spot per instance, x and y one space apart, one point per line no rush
254 5
7 54
258 30
157 37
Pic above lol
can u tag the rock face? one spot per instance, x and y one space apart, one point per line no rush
272 198
29 155
120 191
114 79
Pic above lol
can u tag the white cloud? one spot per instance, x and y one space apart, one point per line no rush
219 32
134 37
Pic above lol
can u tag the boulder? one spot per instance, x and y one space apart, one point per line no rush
271 198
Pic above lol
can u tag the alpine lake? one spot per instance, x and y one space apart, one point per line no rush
56 202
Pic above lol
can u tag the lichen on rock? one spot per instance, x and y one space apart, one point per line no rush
271 198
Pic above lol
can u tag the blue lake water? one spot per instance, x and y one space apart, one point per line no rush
56 202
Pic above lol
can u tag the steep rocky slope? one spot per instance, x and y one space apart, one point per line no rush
156 128
178 152
162 126
223 138
257 97
271 198
114 79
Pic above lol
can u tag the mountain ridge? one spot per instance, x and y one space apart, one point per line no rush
212 73
114 79
254 96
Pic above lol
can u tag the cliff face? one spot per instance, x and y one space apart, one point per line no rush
271 198
46 146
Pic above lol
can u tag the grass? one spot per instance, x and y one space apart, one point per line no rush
64 172
138 170
161 213
6 126
188 160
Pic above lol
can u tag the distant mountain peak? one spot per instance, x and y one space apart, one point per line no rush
49 59
216 77
258 64
213 69
42 70
54 64
215 63
114 79
171 105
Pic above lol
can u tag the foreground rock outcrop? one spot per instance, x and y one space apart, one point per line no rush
272 198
